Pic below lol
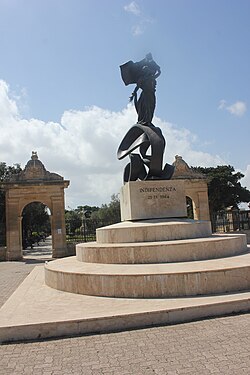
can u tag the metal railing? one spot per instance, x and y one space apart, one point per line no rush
87 232
221 222
230 221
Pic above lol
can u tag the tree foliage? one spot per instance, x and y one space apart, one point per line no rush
109 212
5 173
35 219
75 217
86 210
35 223
224 188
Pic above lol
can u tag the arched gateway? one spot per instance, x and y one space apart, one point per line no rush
35 184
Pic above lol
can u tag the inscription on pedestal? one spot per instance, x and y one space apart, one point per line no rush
153 199
163 192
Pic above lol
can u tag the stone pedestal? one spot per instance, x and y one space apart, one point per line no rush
156 252
154 199
146 267
156 258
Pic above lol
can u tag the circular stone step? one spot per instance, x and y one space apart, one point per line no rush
150 280
153 230
216 246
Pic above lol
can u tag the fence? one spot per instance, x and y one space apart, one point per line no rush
230 221
221 222
87 232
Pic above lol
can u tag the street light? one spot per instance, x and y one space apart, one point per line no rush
84 224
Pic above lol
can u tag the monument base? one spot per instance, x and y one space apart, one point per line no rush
36 311
153 199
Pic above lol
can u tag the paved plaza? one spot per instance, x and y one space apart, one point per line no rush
212 346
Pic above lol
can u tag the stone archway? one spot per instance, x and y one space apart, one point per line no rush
35 184
195 188
36 230
190 207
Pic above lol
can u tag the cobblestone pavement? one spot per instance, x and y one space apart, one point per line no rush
13 273
215 346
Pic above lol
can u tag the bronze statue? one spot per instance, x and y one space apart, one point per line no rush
144 134
144 74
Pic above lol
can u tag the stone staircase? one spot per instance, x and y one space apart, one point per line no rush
157 258
137 274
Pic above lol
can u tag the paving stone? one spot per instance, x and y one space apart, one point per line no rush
215 346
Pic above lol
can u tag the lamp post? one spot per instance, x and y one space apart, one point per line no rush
84 224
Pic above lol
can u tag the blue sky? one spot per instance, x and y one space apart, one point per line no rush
60 65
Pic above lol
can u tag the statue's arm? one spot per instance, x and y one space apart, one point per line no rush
158 72
134 93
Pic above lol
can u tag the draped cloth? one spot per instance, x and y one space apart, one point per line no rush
130 72
143 166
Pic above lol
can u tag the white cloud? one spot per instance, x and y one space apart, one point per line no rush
238 108
245 181
141 20
133 8
222 104
83 146
137 30
8 106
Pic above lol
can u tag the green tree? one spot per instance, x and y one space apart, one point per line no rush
5 173
35 222
109 212
224 188
73 219
87 210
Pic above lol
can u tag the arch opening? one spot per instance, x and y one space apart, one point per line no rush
36 233
190 207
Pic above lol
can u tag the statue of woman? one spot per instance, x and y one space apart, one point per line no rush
147 72
143 136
